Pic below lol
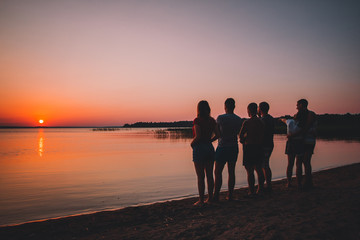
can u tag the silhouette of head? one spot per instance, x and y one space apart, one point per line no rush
203 109
302 104
229 105
264 107
252 109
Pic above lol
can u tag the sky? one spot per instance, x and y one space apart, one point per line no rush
107 63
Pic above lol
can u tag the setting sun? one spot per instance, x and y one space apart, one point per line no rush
41 121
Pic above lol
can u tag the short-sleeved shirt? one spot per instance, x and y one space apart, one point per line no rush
207 127
269 125
292 127
229 127
252 131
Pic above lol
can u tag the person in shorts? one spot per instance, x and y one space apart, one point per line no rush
308 123
251 136
204 132
227 151
268 142
294 150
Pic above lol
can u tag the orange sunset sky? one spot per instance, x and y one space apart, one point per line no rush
106 63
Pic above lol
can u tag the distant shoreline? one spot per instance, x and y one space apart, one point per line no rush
330 126
324 119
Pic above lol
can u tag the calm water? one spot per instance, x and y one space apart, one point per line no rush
48 173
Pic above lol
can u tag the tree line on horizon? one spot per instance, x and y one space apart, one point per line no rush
329 125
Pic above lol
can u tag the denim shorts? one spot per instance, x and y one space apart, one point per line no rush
309 148
295 147
253 155
227 154
203 152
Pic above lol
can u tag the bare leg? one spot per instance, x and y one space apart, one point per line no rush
250 178
231 181
260 176
209 168
299 162
307 166
219 166
267 174
266 168
199 168
289 170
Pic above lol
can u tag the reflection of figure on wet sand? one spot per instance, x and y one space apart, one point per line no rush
229 125
204 131
251 136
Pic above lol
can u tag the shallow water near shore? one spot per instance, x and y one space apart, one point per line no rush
48 173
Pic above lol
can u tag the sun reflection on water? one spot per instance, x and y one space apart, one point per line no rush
41 142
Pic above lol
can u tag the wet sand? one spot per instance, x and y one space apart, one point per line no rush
330 211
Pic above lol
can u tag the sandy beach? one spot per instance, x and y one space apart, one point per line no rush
329 211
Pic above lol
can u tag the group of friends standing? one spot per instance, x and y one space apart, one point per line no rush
256 136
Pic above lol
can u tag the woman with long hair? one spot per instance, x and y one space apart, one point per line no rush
204 132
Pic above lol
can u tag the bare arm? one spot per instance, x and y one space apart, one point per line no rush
242 134
217 133
197 135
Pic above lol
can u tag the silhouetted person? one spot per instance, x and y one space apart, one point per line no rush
307 123
268 142
229 125
251 136
294 150
204 129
